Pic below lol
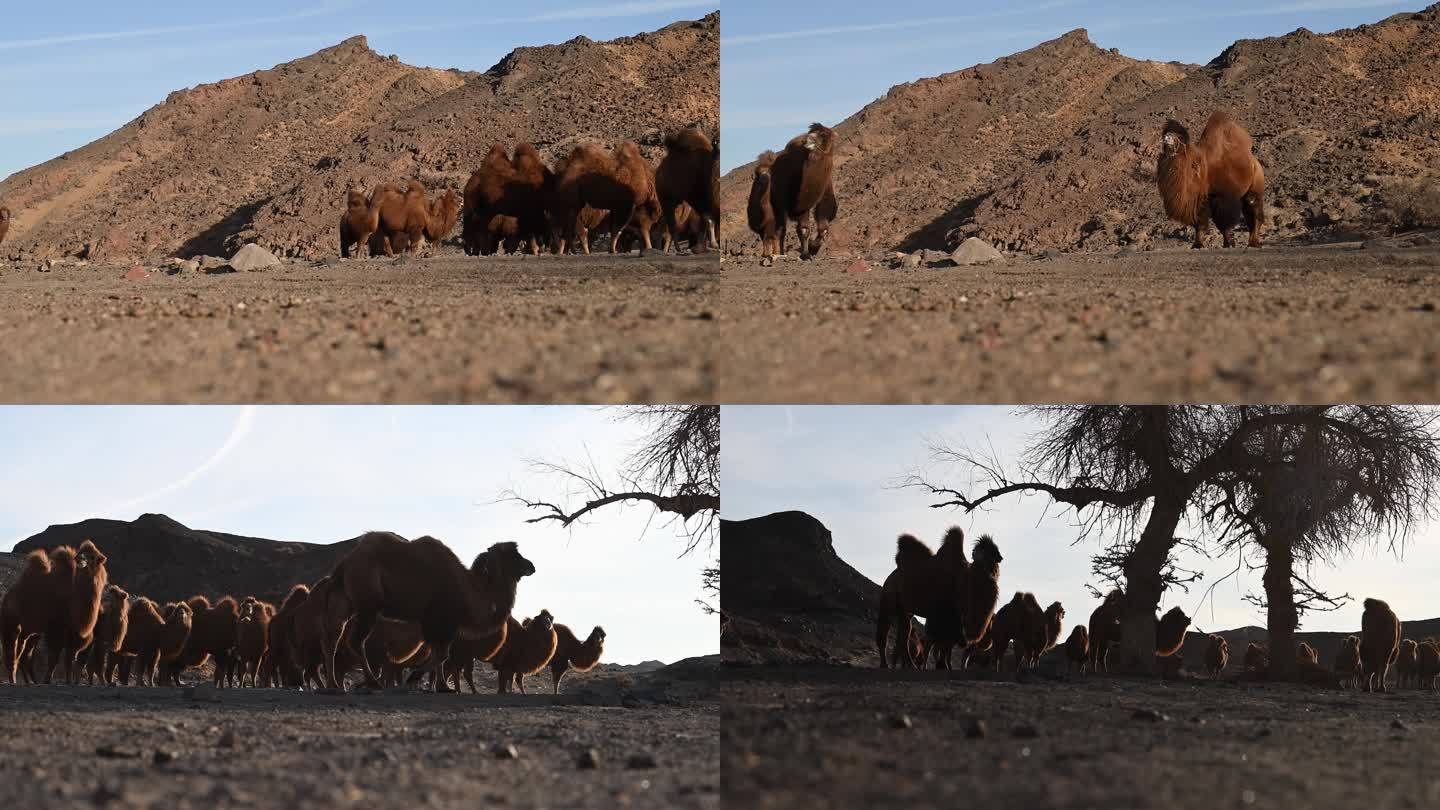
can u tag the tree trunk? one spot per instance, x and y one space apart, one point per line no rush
1144 583
1281 618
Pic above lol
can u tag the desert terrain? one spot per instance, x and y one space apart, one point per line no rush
1299 323
886 739
442 329
653 736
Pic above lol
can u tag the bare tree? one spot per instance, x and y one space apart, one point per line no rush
675 469
1336 478
1132 474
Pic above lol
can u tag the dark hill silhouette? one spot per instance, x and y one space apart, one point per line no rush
161 558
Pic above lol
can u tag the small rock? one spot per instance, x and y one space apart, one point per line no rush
640 762
330 261
911 261
163 757
768 261
1024 731
588 760
1399 725
136 273
902 721
505 751
227 740
976 729
1150 715
43 268
114 752
976 251
859 266
219 269
253 257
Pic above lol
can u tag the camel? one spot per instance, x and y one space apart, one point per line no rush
1218 178
621 182
1170 632
110 631
359 222
690 227
1257 656
684 177
515 189
144 636
252 638
420 581
1379 643
526 651
465 652
1347 662
1105 629
1407 665
1030 631
801 177
571 653
212 635
1217 656
923 584
277 668
56 597
406 216
1428 665
1054 625
1305 654
1077 648
760 211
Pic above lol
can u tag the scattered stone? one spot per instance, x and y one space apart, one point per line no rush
911 261
858 266
253 257
588 760
219 269
1149 714
1399 725
976 251
976 729
1025 731
136 273
331 261
163 757
768 261
902 721
184 266
109 751
227 740
208 262
640 762
505 751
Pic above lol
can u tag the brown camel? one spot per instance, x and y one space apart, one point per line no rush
801 177
1215 178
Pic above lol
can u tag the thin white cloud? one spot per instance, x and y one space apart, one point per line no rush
892 25
631 9
238 432
323 8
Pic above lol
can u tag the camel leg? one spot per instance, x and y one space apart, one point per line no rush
904 632
780 227
882 635
558 672
802 232
362 623
1254 207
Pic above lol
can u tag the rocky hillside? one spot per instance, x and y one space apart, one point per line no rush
788 596
158 557
266 157
1055 147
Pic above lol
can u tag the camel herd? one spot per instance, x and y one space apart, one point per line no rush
1214 179
957 597
514 202
391 612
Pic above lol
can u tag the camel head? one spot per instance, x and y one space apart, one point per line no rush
180 611
1055 611
597 636
4 214
1174 137
89 556
115 596
986 555
503 561
355 199
543 620
1114 597
819 139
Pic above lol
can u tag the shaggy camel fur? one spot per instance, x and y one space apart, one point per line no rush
277 668
359 222
684 177
464 653
526 651
1030 632
760 211
155 636
56 597
621 182
1105 629
1407 665
110 631
1054 625
421 581
513 191
1379 643
405 217
1347 662
252 638
802 175
1217 656
979 593
1257 656
924 583
1077 648
1170 632
1216 178
212 636
572 653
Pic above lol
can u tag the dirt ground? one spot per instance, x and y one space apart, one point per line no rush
445 329
839 736
1284 324
139 747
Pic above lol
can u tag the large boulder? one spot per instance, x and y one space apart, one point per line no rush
253 257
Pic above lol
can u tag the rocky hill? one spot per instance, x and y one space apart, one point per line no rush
266 157
1055 147
159 557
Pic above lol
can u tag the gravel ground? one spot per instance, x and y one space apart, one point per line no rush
1283 324
596 329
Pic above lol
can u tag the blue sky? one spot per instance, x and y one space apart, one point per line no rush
72 72
837 464
323 474
783 65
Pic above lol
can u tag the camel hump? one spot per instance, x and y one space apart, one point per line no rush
911 550
38 561
690 139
